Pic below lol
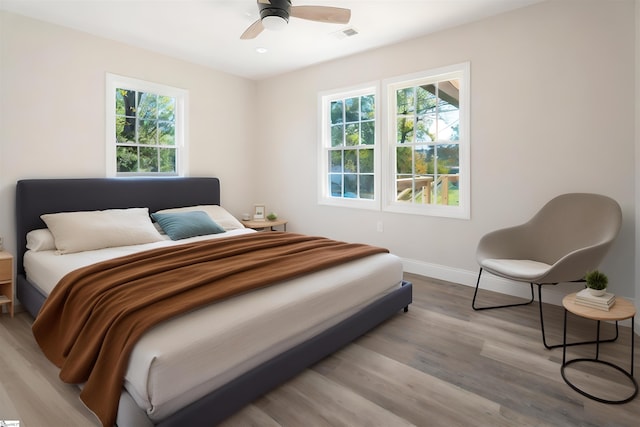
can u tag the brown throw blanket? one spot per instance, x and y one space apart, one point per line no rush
95 315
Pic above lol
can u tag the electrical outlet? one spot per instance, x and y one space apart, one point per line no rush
380 227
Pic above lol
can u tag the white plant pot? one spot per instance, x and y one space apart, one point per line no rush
597 292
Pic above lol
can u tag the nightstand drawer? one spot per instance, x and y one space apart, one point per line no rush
6 268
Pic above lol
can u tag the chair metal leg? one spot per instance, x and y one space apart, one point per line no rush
473 303
544 338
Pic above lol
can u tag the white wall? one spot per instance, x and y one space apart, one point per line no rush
552 111
637 157
52 110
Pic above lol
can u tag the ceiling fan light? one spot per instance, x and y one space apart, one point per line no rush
274 23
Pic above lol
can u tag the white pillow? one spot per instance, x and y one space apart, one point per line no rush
85 231
217 213
40 240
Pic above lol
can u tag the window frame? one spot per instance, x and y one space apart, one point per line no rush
389 87
324 147
113 82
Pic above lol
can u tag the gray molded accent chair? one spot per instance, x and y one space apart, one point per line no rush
569 236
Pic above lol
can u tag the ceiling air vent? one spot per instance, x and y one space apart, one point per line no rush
347 32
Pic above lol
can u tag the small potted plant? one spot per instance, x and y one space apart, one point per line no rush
596 282
272 216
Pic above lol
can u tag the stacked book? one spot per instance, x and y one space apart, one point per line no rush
604 302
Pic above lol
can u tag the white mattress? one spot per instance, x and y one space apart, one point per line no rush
184 359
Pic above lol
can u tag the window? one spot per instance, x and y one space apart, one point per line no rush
145 128
422 160
349 156
428 143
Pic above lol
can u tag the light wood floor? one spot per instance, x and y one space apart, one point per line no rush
440 364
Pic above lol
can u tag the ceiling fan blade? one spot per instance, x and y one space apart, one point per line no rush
333 15
253 30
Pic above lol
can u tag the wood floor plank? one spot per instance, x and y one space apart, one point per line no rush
313 392
415 395
251 416
31 383
440 364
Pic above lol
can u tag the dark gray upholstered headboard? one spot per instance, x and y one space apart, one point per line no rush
35 197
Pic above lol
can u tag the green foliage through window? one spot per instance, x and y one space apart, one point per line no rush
418 164
351 171
427 143
145 127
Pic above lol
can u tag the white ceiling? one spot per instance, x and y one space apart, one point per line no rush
207 32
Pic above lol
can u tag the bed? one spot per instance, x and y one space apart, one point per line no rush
230 387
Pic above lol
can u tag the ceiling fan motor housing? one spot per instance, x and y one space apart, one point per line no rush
279 8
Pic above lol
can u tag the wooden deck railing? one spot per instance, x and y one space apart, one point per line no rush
424 185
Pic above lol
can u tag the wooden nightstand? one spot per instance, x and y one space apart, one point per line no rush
6 280
266 224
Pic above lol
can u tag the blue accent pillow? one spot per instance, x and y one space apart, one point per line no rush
186 224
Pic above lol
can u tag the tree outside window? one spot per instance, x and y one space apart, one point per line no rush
428 138
421 160
348 149
145 132
145 128
427 155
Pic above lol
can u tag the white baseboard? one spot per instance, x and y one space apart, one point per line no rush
550 294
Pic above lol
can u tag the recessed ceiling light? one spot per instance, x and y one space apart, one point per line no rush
262 50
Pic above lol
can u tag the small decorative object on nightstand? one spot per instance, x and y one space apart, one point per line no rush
266 224
6 281
259 213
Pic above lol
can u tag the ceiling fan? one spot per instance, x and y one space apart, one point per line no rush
274 15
